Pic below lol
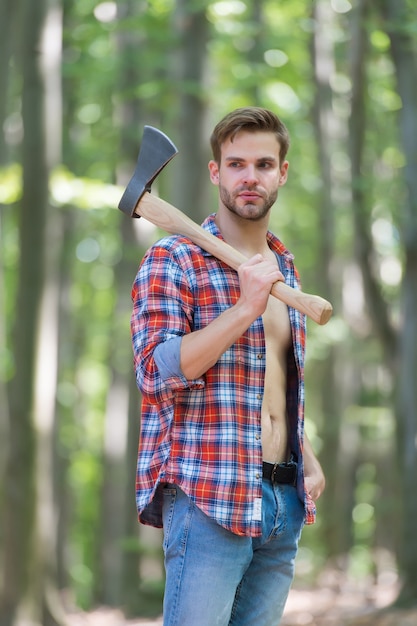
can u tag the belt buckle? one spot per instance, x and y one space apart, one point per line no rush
291 465
273 473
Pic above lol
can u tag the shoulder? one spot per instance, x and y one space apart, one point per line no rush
174 259
180 246
175 247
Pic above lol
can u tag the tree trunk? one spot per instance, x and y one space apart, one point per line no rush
67 357
6 35
43 586
397 18
19 503
30 532
191 179
363 239
117 461
255 54
130 577
119 576
335 500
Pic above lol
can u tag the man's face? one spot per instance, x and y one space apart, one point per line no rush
249 174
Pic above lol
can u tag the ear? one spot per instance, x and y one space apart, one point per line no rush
214 172
283 173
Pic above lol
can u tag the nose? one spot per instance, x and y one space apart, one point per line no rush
250 176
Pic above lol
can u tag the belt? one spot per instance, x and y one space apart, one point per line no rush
284 473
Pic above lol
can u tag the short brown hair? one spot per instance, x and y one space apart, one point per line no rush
249 119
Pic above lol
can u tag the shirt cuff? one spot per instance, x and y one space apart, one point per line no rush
167 358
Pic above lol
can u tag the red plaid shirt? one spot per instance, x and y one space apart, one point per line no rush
204 435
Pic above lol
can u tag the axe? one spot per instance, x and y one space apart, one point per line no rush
156 151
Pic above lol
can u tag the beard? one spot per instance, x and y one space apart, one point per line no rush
250 210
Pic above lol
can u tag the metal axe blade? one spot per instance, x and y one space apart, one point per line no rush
155 152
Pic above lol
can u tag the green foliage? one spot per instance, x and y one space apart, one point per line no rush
10 183
251 58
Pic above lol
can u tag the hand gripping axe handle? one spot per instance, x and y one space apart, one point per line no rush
156 151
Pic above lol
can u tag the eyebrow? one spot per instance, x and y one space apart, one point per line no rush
272 159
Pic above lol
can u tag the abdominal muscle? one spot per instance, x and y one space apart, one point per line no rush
273 413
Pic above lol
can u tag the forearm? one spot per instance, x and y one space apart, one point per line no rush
201 349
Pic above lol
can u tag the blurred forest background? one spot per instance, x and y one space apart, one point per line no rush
78 81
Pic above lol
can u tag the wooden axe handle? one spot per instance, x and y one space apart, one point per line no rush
175 222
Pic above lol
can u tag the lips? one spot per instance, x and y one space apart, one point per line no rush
249 195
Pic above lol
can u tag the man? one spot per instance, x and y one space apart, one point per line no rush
223 463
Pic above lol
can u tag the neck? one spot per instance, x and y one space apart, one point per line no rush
247 236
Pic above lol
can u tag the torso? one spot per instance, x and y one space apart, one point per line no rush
273 416
277 330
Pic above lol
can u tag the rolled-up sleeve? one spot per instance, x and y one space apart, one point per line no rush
162 314
167 357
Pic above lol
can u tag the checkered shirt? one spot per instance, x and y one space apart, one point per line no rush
204 434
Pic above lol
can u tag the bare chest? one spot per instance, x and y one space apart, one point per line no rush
273 417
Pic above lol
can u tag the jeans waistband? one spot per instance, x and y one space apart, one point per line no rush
284 473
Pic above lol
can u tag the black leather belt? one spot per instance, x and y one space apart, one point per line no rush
284 473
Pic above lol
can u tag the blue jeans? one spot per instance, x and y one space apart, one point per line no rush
217 578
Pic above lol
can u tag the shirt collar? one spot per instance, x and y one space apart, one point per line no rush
274 243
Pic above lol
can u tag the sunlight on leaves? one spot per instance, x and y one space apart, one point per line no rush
88 250
378 421
92 377
385 98
341 6
227 7
102 277
390 271
380 40
10 183
67 393
13 128
283 96
340 83
275 58
321 338
362 513
83 193
81 574
89 113
393 157
241 71
105 11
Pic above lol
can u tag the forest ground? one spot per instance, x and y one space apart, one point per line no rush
334 601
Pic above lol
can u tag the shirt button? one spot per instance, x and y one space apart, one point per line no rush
259 396
257 437
258 476
260 356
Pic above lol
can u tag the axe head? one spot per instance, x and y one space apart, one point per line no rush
156 150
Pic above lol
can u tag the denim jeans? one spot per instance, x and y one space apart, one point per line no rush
217 578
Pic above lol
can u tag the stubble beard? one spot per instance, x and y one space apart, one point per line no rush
250 210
